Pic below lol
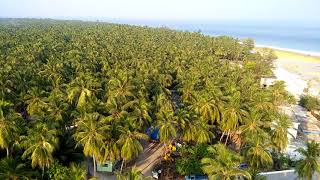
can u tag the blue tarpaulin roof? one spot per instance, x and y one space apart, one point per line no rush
153 133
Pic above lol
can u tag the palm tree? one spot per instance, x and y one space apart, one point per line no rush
121 88
116 109
81 90
90 134
233 114
12 169
187 92
224 164
35 101
57 104
208 108
8 127
202 132
186 122
166 122
77 172
132 174
130 144
278 93
39 145
140 115
306 167
257 152
252 125
163 102
280 132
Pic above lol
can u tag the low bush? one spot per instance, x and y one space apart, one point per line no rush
309 102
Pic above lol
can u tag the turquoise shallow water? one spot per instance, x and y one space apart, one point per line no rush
290 35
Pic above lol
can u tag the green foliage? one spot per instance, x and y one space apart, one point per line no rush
223 164
281 161
306 167
8 124
57 171
39 145
309 102
132 174
190 160
279 133
279 95
11 168
257 152
104 84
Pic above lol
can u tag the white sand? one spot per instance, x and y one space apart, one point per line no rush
294 83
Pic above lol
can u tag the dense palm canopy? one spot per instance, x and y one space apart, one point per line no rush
105 84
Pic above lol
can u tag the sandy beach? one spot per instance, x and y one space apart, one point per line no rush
295 51
298 70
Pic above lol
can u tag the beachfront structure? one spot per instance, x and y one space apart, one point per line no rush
267 81
284 175
106 167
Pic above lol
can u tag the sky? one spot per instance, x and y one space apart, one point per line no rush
287 10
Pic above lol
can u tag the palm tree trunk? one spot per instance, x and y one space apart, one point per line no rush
227 137
222 136
7 152
121 166
94 166
164 148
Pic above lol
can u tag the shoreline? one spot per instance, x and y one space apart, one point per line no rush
302 52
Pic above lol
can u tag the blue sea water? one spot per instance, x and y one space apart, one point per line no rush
299 36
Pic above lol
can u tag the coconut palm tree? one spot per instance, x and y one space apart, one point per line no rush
187 92
121 87
233 114
257 152
130 144
77 172
132 174
223 164
13 169
141 115
81 90
39 145
8 127
35 101
310 163
166 122
202 132
253 124
186 123
90 134
280 132
208 108
163 102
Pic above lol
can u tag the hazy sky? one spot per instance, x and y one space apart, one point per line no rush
305 10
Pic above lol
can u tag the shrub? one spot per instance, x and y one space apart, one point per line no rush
309 102
190 160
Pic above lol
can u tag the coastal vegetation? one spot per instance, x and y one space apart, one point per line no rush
309 165
72 91
311 103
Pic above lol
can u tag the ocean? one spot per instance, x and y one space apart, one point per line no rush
294 36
